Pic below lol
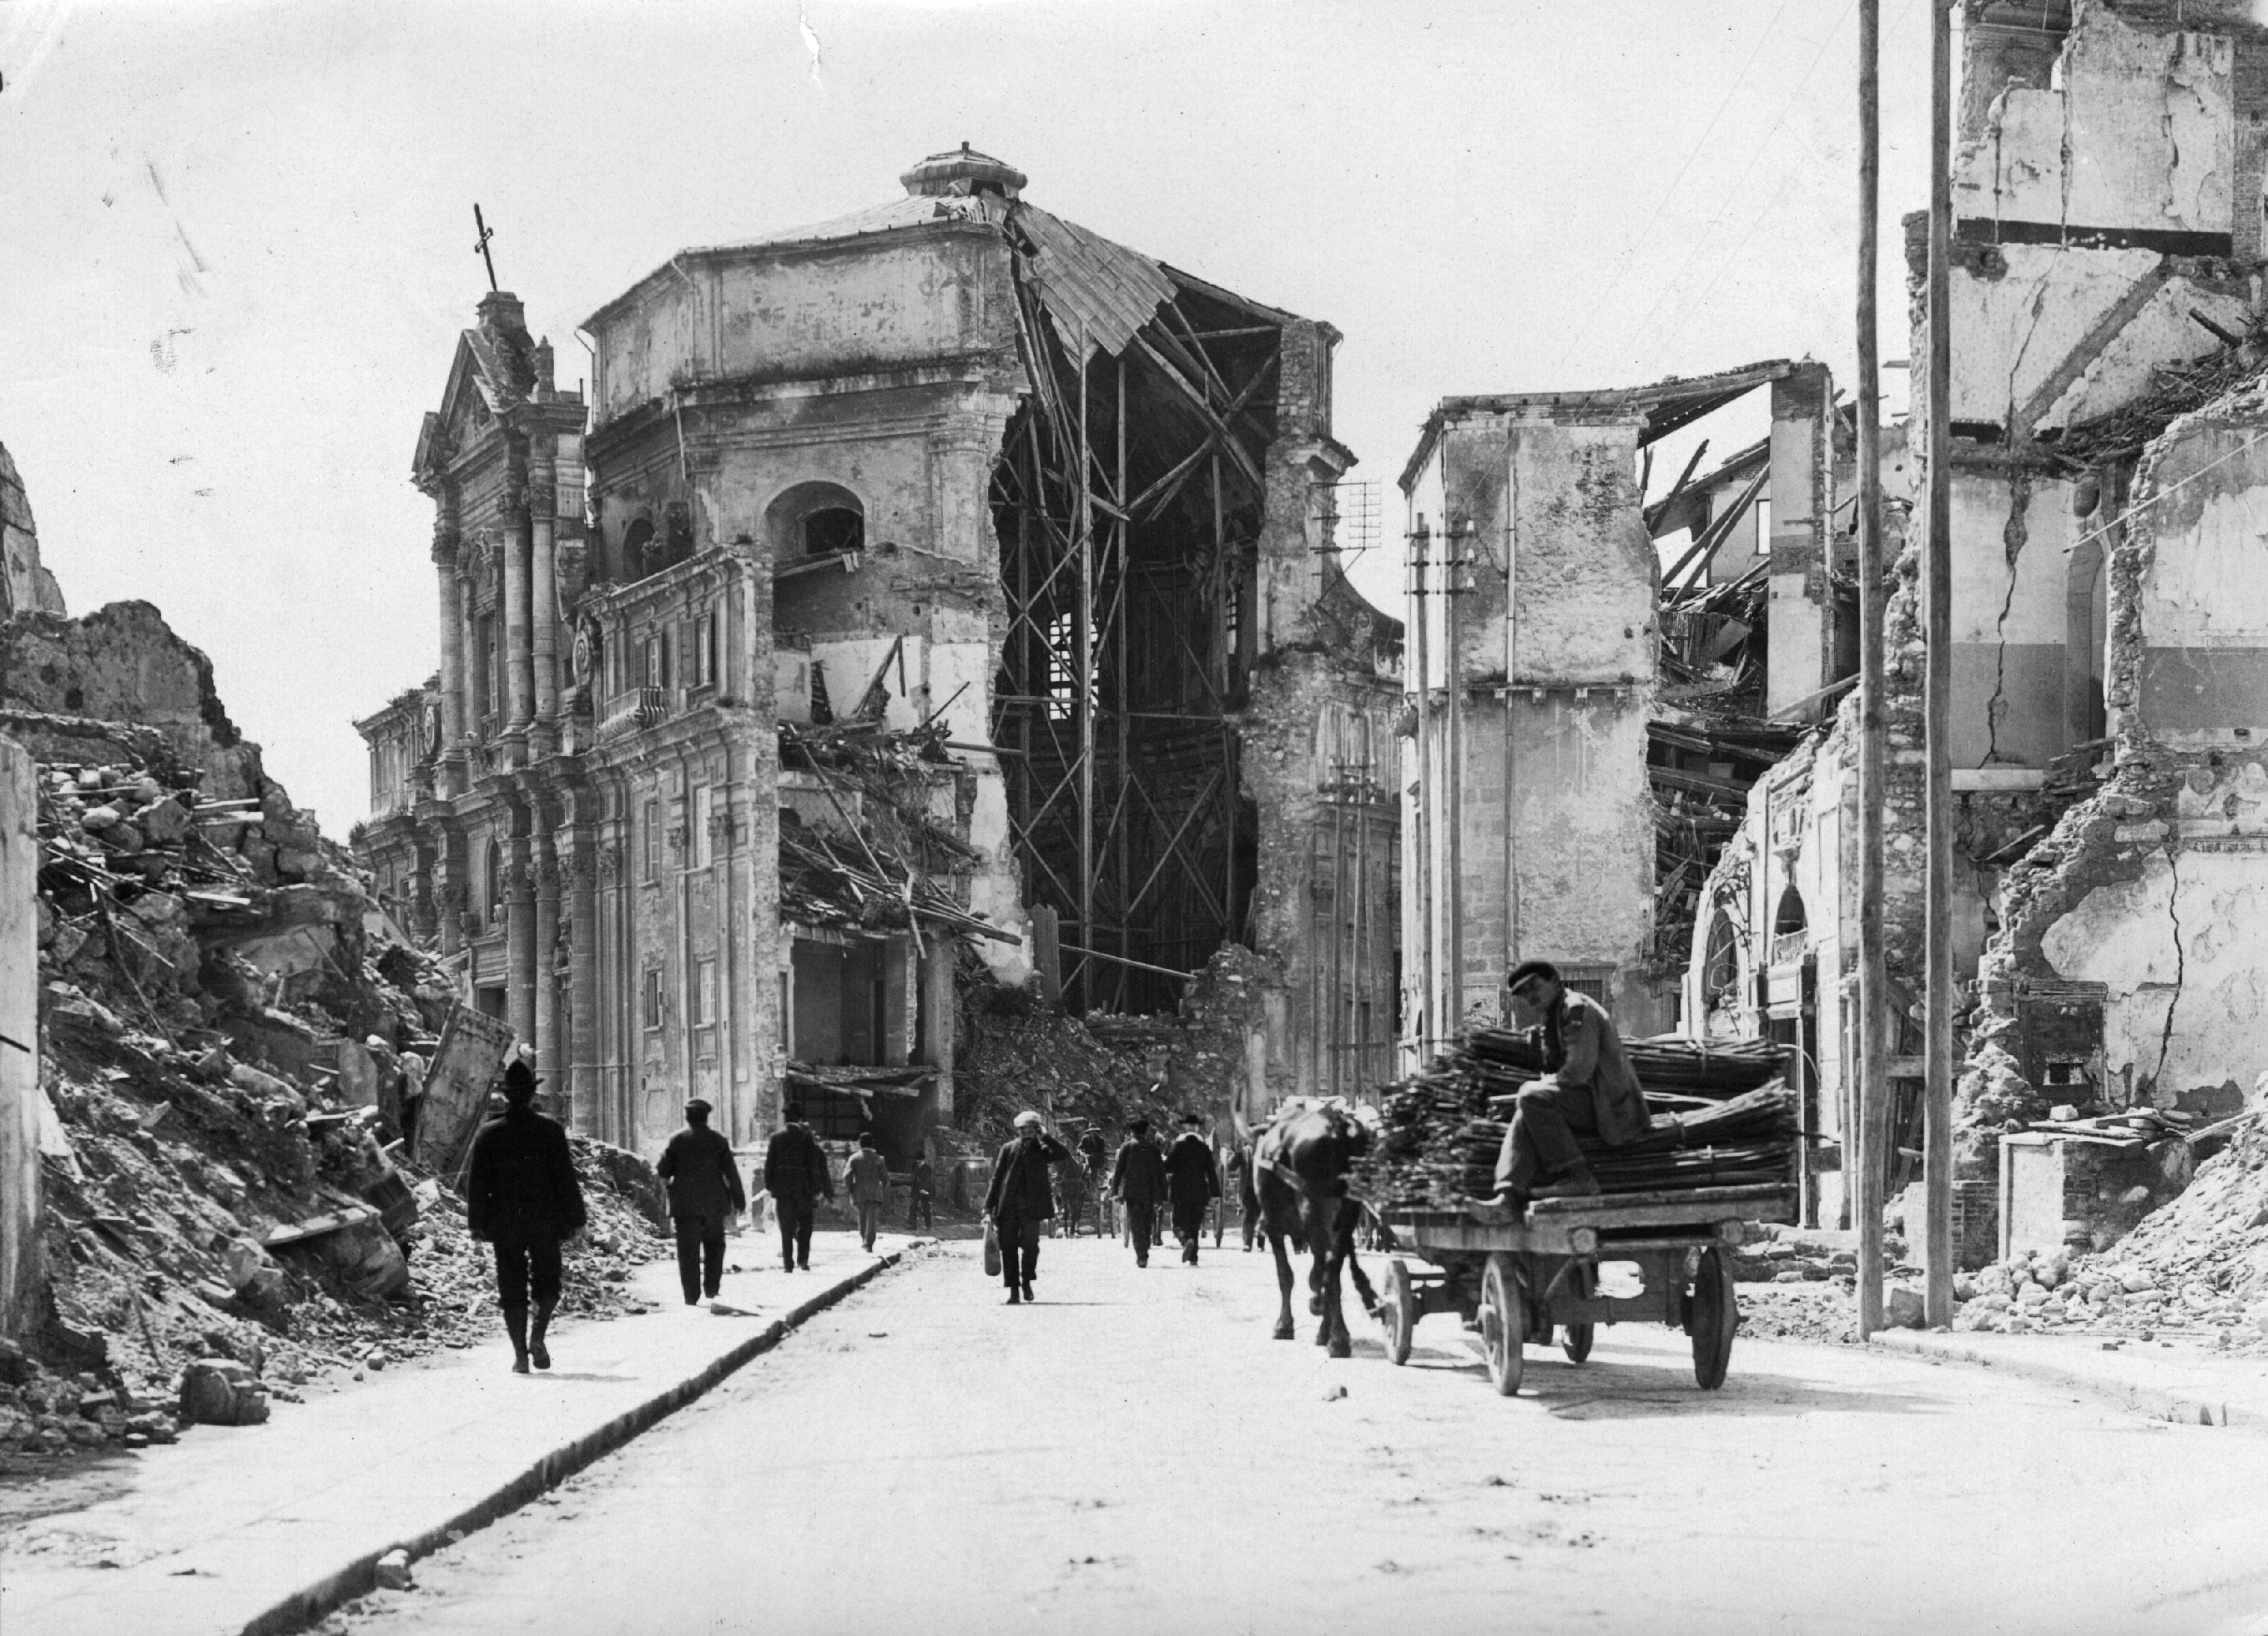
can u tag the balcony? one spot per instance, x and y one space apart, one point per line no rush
639 709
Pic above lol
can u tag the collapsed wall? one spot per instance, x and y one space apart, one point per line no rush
220 1181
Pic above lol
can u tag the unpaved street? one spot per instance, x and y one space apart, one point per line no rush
1134 1454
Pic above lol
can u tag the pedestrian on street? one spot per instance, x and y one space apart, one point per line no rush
413 1097
1022 1200
918 1195
1233 1185
704 1193
1138 1181
868 1179
795 1175
1192 1183
1590 1090
522 1197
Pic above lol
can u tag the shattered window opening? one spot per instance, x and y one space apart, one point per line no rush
831 529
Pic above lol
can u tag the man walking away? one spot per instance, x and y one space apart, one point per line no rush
1589 1091
704 1192
919 1195
522 1197
1234 1186
1138 1180
1192 1181
1021 1201
868 1178
795 1175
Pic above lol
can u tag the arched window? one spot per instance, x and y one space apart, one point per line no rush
492 872
638 541
1720 966
832 528
815 519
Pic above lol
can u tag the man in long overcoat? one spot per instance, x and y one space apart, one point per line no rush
1022 1200
1139 1178
796 1176
704 1193
522 1196
1192 1183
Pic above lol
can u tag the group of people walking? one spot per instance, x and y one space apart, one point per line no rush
523 1198
1183 1179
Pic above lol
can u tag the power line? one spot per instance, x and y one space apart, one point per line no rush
1629 256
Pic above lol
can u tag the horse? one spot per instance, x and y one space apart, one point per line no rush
1297 1187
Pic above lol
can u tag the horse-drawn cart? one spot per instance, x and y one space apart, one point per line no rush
1522 1277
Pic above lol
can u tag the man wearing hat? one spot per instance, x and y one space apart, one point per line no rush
1138 1180
1021 1199
796 1176
704 1193
522 1197
1192 1181
1591 1090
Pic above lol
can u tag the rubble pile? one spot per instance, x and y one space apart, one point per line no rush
1015 1052
2198 1265
1722 1118
219 1188
877 865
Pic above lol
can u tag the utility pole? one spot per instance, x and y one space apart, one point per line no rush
1863 1155
1421 837
1937 1098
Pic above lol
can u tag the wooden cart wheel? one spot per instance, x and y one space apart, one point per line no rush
1397 1311
1715 1314
1575 1338
1504 1323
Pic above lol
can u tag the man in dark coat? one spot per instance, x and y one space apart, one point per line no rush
522 1197
1591 1090
1192 1183
1022 1200
918 1195
704 1193
1138 1180
796 1176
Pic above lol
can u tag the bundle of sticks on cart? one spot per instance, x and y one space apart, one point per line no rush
1722 1117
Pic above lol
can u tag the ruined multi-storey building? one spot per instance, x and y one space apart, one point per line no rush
2108 239
940 580
1562 694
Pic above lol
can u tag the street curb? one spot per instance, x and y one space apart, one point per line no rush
359 1577
2183 1409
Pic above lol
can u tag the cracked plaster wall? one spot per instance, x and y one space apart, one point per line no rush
2136 131
2194 626
2009 617
26 587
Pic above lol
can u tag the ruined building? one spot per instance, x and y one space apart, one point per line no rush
940 585
1572 716
2108 194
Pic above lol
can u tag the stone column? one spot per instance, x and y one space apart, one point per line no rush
449 755
449 888
520 933
520 676
469 646
543 501
548 1054
581 868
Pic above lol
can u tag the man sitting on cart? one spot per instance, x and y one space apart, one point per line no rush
1589 1091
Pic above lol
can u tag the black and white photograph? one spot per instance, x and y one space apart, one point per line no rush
1117 816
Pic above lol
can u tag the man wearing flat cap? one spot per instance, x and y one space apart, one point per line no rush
704 1193
1022 1200
797 1177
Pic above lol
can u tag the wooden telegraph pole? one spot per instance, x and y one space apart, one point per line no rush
1863 1168
1937 1124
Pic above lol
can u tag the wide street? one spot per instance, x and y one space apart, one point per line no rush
1134 1454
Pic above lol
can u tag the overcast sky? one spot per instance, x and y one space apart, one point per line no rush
239 237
